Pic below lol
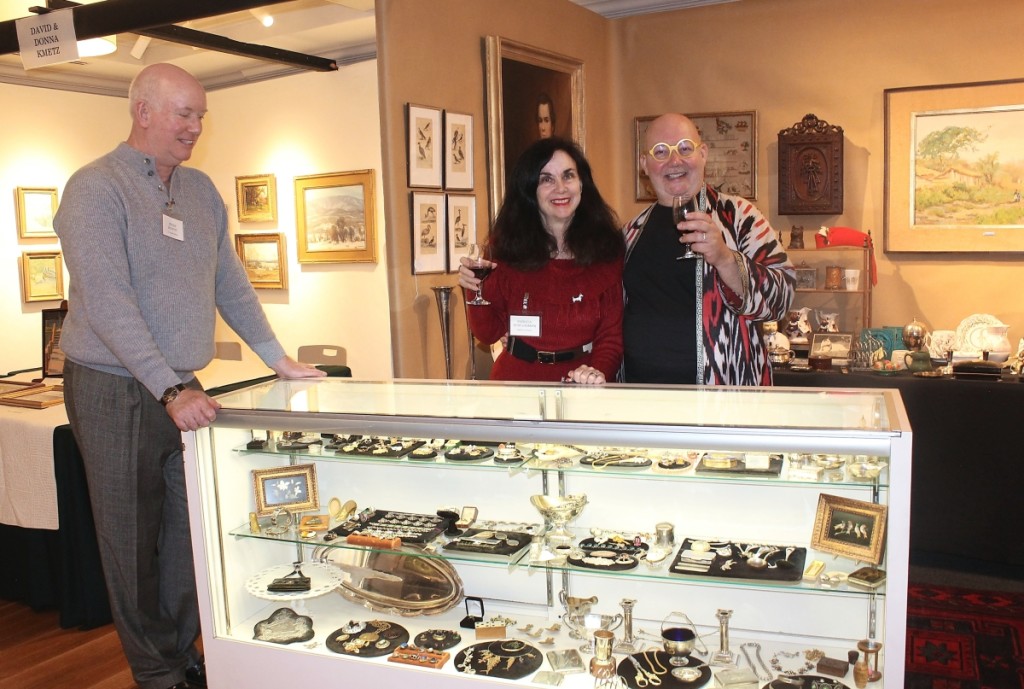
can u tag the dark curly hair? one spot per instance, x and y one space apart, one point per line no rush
518 237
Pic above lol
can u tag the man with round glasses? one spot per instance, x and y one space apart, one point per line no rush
694 321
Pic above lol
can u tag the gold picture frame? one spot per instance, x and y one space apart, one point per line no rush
954 194
732 152
851 528
521 79
9 386
35 397
256 196
42 274
36 207
292 488
335 217
264 258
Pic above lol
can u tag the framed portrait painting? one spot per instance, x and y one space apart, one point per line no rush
458 151
35 210
850 528
953 155
292 488
42 276
428 233
335 217
256 196
461 216
425 146
264 259
531 94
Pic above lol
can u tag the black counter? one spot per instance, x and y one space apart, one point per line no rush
967 497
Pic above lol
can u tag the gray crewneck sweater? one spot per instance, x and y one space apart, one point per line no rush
143 304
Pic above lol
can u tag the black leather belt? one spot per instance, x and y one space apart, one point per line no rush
521 350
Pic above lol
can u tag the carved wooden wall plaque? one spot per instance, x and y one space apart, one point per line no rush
811 168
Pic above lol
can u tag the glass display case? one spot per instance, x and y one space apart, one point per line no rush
338 524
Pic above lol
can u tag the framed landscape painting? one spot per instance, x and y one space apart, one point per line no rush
954 164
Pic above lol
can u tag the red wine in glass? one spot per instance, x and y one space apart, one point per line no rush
681 206
480 265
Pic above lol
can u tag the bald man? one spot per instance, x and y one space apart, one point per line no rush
694 321
151 263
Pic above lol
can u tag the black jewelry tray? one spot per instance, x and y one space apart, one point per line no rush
503 547
369 446
739 569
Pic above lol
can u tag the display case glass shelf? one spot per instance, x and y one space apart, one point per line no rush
771 454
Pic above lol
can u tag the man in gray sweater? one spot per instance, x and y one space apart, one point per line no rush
151 263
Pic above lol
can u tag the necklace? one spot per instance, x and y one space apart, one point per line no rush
776 663
757 653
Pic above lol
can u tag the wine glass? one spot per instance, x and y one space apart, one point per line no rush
680 207
480 265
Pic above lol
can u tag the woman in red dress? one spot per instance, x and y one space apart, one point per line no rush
556 288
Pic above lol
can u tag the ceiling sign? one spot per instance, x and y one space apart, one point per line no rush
47 39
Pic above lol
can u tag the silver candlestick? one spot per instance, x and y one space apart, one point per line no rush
723 656
627 644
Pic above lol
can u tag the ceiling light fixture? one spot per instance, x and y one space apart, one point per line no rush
263 17
95 47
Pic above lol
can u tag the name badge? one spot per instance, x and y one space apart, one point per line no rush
524 325
174 227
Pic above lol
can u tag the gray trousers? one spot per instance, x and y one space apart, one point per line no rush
135 471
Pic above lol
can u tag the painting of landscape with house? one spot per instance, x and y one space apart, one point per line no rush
969 168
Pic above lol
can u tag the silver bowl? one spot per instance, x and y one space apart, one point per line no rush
559 511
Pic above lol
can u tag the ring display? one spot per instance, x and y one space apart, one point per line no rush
437 639
385 524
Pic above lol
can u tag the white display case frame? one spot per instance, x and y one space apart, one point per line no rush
775 510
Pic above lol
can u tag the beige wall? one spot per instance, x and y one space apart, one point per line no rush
47 136
431 53
306 124
782 58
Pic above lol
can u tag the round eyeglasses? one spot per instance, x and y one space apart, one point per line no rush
684 147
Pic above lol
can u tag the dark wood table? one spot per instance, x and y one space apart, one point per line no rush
967 497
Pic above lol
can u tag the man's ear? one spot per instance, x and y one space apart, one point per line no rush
142 112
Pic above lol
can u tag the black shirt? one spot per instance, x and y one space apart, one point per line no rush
658 327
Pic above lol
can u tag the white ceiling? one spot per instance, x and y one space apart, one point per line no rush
342 30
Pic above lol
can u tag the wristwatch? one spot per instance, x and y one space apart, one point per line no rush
171 394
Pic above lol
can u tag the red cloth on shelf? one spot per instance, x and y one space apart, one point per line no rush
847 236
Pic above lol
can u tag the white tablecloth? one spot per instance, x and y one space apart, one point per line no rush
28 489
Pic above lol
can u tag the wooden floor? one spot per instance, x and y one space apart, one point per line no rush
35 653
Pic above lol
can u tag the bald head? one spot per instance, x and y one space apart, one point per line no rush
153 83
167 107
676 175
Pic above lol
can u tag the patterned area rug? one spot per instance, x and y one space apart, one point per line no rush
964 639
